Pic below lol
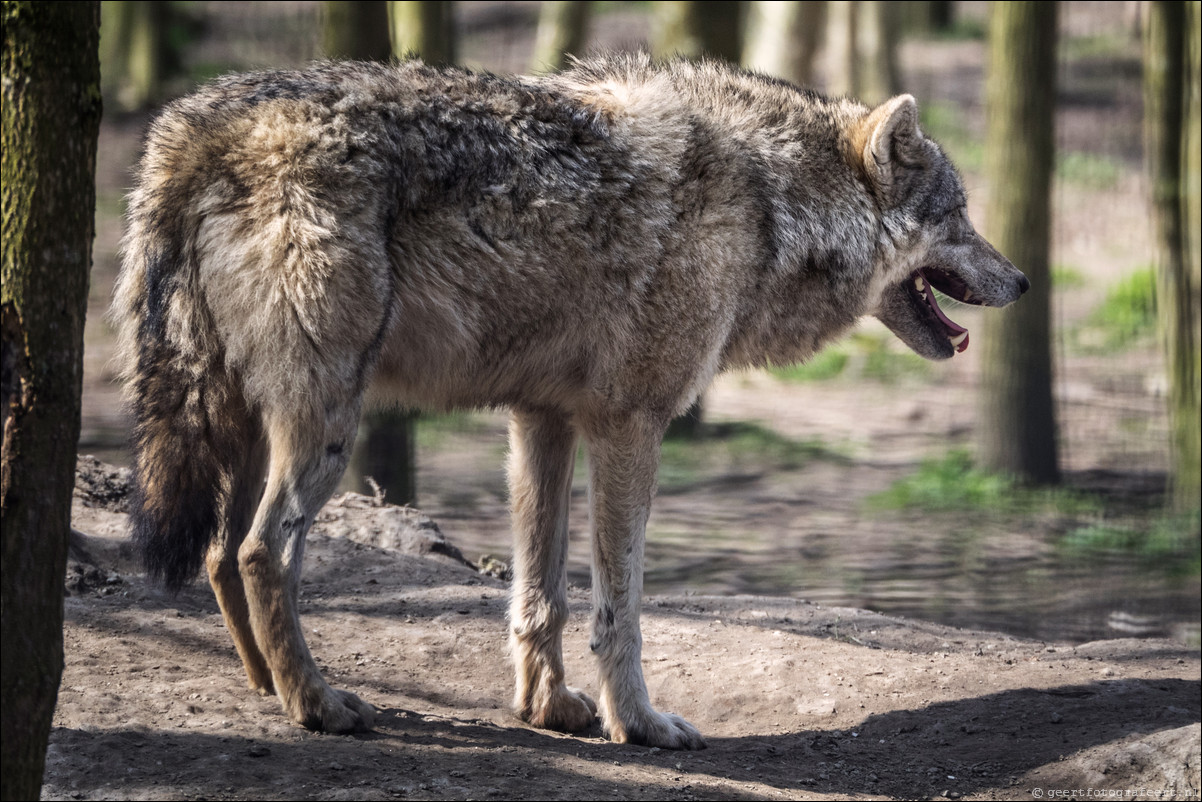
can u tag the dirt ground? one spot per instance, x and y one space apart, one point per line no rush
797 700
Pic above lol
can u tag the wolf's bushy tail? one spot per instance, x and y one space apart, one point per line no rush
192 431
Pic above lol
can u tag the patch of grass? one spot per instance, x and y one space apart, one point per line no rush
861 356
1088 169
826 364
1067 277
889 367
1096 46
1169 542
962 28
734 448
947 483
1127 314
944 122
953 482
434 429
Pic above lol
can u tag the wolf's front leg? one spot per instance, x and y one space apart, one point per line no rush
304 469
541 459
623 460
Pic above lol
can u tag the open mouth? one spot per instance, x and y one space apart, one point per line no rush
922 285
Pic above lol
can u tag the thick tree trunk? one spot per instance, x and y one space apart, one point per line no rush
424 28
51 115
697 28
562 31
1171 133
356 29
1017 417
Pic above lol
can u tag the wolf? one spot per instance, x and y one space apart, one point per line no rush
587 249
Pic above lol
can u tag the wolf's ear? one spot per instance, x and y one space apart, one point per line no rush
889 143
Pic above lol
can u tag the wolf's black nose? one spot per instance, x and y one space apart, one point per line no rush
1024 283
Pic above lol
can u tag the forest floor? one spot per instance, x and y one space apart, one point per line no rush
763 554
797 700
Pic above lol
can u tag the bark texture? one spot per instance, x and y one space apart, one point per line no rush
51 115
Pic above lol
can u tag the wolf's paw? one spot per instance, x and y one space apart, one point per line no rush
649 728
567 710
340 711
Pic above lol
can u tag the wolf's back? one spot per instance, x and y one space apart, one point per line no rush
191 428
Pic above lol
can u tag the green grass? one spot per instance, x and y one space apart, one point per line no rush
1103 46
1172 543
826 364
1090 170
974 28
953 482
435 429
861 356
1126 315
944 122
1165 542
734 448
1066 277
947 483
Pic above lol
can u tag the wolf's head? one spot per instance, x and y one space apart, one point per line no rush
927 242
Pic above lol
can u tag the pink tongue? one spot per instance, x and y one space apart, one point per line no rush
953 329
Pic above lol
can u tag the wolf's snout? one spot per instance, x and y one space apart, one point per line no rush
1024 283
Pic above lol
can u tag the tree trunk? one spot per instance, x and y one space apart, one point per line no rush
941 15
134 52
356 29
51 116
1170 115
783 37
385 452
1017 417
562 31
862 50
423 28
697 28
842 65
876 49
386 443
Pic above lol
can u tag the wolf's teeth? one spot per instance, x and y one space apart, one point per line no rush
967 294
919 284
959 338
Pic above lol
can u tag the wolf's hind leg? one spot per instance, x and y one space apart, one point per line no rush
541 460
306 462
221 560
623 460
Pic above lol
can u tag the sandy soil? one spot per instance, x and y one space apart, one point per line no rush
797 700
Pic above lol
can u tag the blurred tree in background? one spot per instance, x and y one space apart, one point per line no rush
1171 121
1017 427
135 51
51 116
562 30
386 442
356 29
782 38
697 28
424 28
861 42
